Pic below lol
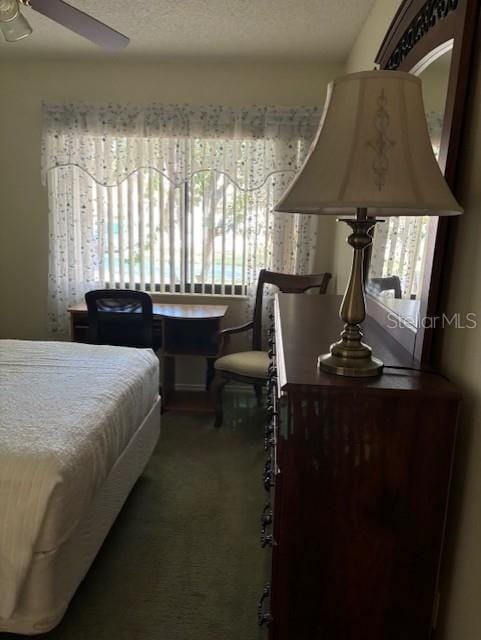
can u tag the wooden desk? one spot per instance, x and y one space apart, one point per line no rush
183 330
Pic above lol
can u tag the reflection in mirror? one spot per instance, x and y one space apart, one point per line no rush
399 246
435 78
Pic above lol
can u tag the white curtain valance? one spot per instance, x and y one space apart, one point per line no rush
110 142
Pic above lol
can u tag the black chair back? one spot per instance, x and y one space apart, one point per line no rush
120 317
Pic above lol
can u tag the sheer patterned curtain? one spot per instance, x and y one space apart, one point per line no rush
398 249
171 198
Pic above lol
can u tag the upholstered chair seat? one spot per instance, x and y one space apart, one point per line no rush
251 367
250 364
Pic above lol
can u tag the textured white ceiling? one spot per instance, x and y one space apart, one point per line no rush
315 29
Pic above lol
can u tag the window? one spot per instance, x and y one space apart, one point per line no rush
171 198
204 235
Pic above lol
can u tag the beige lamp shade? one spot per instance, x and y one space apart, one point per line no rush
372 150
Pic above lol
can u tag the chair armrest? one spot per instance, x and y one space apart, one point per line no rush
225 334
239 329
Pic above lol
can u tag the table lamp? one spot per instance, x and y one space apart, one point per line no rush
371 157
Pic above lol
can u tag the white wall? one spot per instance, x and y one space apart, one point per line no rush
23 206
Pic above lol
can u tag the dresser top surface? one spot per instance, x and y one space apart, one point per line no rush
306 326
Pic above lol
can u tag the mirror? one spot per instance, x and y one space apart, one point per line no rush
398 256
404 268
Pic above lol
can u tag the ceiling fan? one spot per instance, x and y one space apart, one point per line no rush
14 25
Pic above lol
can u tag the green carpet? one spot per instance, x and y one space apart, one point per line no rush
183 560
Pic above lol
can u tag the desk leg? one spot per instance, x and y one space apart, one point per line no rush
168 378
210 375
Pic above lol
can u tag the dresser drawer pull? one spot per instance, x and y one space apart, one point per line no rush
269 441
264 617
271 426
267 540
271 384
272 371
268 478
272 410
267 516
272 407
270 436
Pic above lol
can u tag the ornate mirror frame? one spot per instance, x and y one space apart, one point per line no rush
420 31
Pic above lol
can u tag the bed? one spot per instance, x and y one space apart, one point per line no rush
78 424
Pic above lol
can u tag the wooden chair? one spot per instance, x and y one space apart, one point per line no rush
250 367
389 283
120 317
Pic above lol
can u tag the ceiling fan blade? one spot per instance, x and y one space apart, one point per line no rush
81 23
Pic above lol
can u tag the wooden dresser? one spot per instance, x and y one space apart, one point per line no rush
358 475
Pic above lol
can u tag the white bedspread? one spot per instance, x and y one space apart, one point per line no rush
67 411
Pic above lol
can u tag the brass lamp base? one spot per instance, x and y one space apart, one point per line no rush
350 356
356 368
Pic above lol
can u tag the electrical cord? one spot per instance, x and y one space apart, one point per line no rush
433 373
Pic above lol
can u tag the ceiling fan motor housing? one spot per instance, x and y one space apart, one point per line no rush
13 24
